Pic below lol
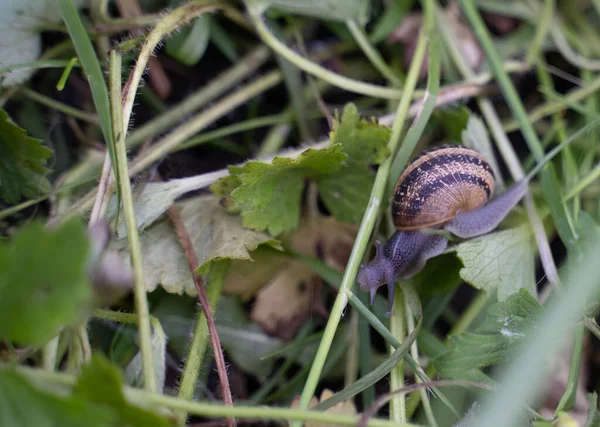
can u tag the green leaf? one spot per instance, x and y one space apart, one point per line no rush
43 281
188 46
101 383
214 233
506 326
91 65
245 342
23 405
440 275
365 142
22 163
454 120
269 195
501 261
346 192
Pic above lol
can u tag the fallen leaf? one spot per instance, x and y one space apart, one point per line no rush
293 292
244 341
285 302
214 233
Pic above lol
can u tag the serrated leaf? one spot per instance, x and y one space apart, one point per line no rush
501 261
43 281
346 192
215 235
245 342
101 383
269 195
22 163
506 326
365 142
23 405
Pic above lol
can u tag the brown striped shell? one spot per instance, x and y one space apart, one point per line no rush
438 184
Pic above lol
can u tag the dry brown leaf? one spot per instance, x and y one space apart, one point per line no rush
293 293
245 278
285 302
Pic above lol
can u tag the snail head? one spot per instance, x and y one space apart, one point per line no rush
378 272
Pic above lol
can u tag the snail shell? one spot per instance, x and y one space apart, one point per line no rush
438 184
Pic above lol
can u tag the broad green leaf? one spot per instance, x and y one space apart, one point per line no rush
22 163
43 281
365 142
439 275
102 384
188 45
215 235
501 261
506 326
269 195
346 192
23 405
245 342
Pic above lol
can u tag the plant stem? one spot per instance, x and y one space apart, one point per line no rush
398 329
169 23
505 148
246 65
190 254
370 52
210 409
59 106
467 318
203 119
366 227
351 85
414 349
543 27
141 303
552 107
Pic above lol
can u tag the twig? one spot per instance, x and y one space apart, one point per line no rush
186 244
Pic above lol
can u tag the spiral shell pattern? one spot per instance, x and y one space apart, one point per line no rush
438 184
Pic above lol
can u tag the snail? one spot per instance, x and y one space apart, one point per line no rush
446 188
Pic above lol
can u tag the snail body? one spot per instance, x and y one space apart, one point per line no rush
447 188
